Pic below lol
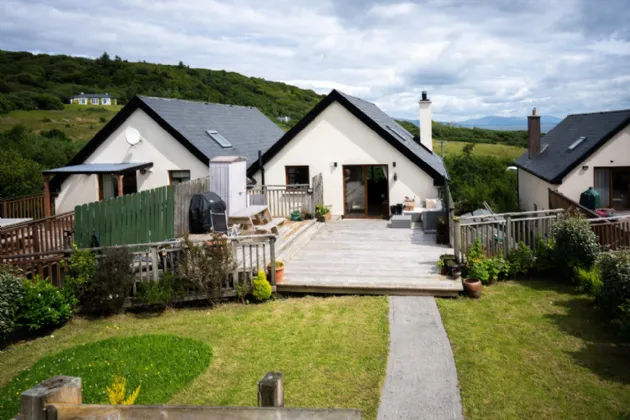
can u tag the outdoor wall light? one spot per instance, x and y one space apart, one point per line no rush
333 164
394 164
395 176
584 167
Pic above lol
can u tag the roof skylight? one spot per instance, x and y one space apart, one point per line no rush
221 141
397 131
576 143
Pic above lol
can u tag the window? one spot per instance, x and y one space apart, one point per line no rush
177 177
94 101
297 175
576 143
397 131
221 141
105 101
83 101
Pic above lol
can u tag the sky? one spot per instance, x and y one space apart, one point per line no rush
475 58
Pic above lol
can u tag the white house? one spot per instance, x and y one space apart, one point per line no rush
154 142
367 160
93 99
584 150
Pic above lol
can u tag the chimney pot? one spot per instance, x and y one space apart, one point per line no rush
424 95
534 111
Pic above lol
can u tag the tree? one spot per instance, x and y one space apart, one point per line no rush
19 176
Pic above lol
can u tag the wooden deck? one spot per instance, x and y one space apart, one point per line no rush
367 257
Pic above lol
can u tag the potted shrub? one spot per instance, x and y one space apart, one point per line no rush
456 272
279 271
322 213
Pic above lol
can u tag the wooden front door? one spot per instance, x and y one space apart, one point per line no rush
366 191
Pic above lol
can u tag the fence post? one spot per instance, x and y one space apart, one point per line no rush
271 390
272 261
507 236
154 263
58 389
457 242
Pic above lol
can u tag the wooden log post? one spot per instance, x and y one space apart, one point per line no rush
47 211
457 240
507 237
120 185
271 390
272 261
58 389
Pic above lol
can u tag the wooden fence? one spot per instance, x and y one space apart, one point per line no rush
38 236
60 398
142 217
560 201
25 207
183 194
499 233
152 260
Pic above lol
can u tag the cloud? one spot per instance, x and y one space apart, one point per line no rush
474 58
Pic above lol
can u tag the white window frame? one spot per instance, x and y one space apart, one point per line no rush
94 101
82 101
105 101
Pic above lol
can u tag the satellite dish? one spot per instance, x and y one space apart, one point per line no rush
132 136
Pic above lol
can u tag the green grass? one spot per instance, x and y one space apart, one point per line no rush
160 364
497 150
333 351
537 350
79 122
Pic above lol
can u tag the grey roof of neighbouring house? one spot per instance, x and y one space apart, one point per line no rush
99 168
92 95
245 127
555 160
374 113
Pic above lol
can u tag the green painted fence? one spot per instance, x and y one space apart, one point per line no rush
144 217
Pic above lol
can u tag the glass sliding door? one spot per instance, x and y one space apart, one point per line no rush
602 185
354 187
620 186
377 191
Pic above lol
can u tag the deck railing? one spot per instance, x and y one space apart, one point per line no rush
153 260
38 236
25 207
282 200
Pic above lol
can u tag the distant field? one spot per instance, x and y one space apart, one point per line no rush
498 150
79 122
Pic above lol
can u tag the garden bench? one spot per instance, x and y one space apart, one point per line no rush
271 226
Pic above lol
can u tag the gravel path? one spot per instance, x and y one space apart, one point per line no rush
421 381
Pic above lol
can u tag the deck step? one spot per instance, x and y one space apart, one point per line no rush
290 246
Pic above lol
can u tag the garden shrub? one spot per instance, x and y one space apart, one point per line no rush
162 292
81 268
106 290
576 244
590 280
12 290
624 317
487 270
615 275
521 260
207 267
261 287
545 255
43 306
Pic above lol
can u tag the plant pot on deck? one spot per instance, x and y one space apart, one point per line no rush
456 273
279 272
472 287
325 218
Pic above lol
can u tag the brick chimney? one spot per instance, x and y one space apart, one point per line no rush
533 134
426 116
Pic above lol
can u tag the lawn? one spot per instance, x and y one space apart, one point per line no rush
482 149
79 122
333 351
537 350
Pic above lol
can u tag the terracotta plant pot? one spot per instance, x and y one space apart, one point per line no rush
472 288
279 273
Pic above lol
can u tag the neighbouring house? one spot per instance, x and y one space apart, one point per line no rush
584 150
154 142
368 161
284 119
93 99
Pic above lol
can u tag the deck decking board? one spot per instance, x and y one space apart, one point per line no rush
365 256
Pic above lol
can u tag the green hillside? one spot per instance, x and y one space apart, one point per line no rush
31 82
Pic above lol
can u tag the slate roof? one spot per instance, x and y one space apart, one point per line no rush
384 120
245 127
555 161
99 168
378 121
92 95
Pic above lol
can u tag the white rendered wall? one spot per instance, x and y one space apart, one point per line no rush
157 146
533 192
338 136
